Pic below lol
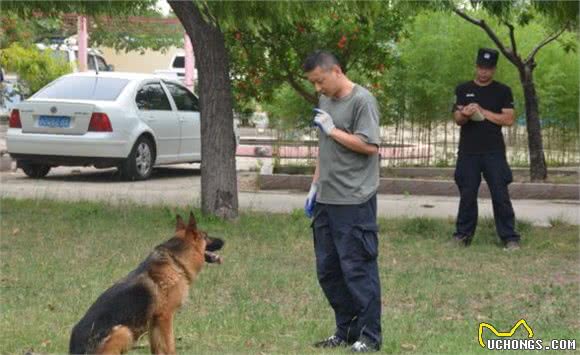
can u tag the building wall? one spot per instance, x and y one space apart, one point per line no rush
137 62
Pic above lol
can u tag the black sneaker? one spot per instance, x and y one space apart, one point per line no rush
364 345
332 341
461 239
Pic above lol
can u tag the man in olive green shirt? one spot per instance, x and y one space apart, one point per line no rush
342 203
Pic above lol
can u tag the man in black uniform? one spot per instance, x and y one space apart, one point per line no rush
481 108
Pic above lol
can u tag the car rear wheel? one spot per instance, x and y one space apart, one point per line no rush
35 171
139 164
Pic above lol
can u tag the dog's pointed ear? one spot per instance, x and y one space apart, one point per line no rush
179 224
192 224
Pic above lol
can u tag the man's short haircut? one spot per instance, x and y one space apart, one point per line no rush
324 59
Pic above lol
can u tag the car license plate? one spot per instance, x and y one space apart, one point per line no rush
54 121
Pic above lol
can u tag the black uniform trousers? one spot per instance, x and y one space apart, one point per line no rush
346 248
498 176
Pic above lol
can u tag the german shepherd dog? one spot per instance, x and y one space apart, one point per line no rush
147 299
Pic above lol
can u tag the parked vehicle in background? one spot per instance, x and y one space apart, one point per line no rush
176 68
69 53
260 120
111 119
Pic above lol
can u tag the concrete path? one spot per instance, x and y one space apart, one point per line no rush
180 186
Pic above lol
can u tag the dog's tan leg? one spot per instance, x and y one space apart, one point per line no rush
161 335
155 341
119 341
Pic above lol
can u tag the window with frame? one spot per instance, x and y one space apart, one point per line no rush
101 64
83 88
91 62
151 97
179 62
184 99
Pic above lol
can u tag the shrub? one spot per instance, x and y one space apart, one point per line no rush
34 68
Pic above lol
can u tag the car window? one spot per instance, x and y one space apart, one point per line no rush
152 97
184 100
83 88
101 64
179 62
91 62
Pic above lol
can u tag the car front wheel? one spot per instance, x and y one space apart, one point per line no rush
139 163
35 171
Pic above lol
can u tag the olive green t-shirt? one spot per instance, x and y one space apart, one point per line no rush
347 177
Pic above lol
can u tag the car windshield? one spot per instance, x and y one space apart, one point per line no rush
84 88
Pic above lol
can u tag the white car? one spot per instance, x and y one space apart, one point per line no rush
176 69
70 53
131 121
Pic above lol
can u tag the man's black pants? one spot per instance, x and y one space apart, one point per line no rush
498 176
346 248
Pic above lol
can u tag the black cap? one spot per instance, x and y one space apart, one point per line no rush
487 57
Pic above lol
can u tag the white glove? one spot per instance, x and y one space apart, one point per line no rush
311 200
324 121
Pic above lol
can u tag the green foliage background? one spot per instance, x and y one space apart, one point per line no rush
410 57
435 52
35 68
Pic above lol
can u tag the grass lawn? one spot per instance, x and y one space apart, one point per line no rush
56 258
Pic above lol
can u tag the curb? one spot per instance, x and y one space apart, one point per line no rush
534 191
419 172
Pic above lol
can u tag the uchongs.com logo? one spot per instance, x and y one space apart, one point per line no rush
506 341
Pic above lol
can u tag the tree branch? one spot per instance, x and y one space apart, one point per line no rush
506 52
512 38
185 10
180 9
467 17
300 90
545 42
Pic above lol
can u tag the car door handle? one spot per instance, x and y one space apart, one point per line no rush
150 119
182 120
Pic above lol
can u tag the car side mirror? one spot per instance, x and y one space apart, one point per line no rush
110 67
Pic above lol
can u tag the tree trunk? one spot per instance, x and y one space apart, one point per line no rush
445 146
538 170
219 192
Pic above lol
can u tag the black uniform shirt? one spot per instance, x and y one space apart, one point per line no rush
484 136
